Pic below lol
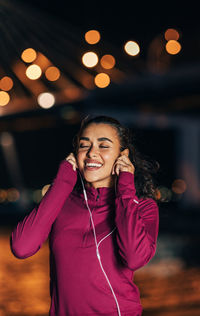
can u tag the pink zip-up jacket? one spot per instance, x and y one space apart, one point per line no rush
126 231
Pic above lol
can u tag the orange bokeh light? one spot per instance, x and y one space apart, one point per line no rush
171 34
107 61
6 83
52 73
179 186
102 80
173 47
29 55
4 98
92 37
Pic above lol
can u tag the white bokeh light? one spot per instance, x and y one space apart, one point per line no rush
46 100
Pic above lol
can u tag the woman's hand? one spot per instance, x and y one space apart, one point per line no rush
123 163
71 158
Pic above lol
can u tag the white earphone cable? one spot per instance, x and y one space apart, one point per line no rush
97 246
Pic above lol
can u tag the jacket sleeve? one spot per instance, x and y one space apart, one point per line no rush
137 223
29 235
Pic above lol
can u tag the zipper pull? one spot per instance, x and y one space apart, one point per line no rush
97 197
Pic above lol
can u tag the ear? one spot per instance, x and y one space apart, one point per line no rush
125 152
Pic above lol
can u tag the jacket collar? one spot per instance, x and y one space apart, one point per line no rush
103 192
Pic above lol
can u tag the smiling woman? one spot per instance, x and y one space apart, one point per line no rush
92 260
106 136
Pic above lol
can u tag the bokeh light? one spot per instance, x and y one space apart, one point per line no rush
6 83
13 195
173 47
52 73
132 48
46 100
45 189
102 80
90 59
4 98
92 37
179 186
163 194
3 195
171 34
107 61
33 72
29 55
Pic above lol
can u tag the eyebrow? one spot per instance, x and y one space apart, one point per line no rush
99 139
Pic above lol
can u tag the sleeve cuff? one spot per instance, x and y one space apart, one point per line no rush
126 185
66 172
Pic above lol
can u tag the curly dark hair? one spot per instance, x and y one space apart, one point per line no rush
144 169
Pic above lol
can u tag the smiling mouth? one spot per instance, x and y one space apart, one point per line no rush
93 166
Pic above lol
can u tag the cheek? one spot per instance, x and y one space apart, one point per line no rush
110 159
80 158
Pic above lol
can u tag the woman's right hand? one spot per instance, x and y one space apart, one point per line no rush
71 158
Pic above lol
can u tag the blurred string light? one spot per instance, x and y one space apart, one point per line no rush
45 189
52 73
33 72
13 195
4 98
102 80
9 195
163 194
173 47
132 48
6 83
107 61
90 59
3 195
92 37
179 186
171 34
29 55
46 100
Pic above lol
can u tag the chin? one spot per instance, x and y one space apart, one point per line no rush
91 178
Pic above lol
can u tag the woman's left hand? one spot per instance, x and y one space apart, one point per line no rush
123 163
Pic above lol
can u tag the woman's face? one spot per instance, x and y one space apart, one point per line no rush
98 149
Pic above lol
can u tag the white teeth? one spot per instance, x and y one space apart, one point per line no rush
93 165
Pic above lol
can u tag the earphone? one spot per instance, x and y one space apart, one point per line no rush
97 244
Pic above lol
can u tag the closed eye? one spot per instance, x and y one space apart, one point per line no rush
83 146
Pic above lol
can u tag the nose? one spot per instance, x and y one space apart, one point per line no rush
92 152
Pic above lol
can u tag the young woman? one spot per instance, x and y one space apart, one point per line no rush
102 222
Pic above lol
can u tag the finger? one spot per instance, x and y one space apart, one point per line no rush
123 164
124 158
72 158
73 163
117 169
